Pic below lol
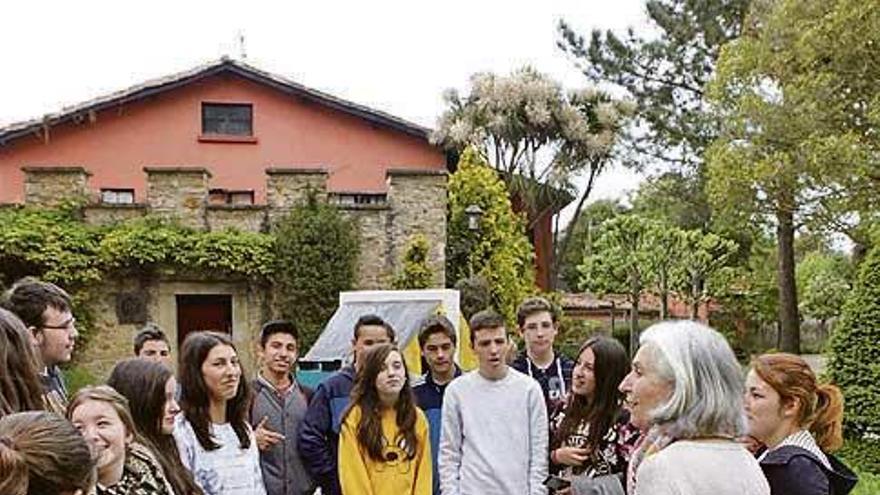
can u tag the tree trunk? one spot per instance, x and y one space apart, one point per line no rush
562 247
789 321
696 290
664 297
634 326
635 295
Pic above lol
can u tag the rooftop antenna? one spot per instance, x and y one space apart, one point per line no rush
241 49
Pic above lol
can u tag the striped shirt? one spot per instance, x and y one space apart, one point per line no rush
804 440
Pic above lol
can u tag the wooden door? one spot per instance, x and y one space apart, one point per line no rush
203 312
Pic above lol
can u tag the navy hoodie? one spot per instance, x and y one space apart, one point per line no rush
792 470
319 435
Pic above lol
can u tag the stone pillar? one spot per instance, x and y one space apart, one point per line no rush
418 205
287 187
180 192
51 186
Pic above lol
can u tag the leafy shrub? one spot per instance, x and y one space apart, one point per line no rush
854 357
316 252
416 274
500 251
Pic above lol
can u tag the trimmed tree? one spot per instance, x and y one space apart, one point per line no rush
316 258
823 281
622 263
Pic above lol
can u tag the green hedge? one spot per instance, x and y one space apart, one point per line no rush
854 353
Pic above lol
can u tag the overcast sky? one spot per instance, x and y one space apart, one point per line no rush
396 56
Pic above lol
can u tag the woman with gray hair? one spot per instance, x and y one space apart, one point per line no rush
686 391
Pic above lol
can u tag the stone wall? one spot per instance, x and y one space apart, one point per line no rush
51 186
375 265
113 341
416 204
100 214
180 192
418 200
251 218
287 187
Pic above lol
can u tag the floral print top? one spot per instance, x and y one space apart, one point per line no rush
141 475
613 454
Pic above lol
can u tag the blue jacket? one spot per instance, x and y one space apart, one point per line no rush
429 397
792 470
319 435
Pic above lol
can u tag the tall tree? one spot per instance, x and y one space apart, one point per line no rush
823 281
793 99
536 134
674 197
665 75
586 230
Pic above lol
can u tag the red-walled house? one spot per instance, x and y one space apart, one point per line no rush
227 144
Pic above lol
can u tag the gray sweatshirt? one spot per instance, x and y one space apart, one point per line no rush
493 436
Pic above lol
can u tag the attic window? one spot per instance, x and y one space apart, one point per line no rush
117 196
227 119
352 199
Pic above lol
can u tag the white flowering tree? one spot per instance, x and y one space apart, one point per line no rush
536 133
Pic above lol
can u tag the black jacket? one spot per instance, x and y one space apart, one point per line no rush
792 470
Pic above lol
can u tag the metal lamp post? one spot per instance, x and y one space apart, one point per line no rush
474 215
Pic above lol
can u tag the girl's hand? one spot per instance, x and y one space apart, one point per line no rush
571 456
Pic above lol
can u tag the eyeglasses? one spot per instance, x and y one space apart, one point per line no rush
68 325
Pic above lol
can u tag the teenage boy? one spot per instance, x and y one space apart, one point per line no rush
437 340
45 309
152 344
278 408
494 434
319 436
537 324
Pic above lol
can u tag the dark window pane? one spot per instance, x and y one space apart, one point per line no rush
222 118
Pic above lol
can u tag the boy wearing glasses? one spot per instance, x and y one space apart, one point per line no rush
45 310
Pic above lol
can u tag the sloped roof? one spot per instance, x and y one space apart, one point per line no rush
224 65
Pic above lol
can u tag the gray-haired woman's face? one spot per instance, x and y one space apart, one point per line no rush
644 388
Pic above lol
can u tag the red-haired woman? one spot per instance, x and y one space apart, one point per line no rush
799 422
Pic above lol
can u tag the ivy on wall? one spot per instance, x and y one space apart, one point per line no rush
56 245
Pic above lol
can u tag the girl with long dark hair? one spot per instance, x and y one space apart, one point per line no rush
215 441
591 436
20 386
383 444
150 388
800 422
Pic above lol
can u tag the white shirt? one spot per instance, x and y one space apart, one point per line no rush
229 470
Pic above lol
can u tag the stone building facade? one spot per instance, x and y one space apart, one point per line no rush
415 204
224 145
